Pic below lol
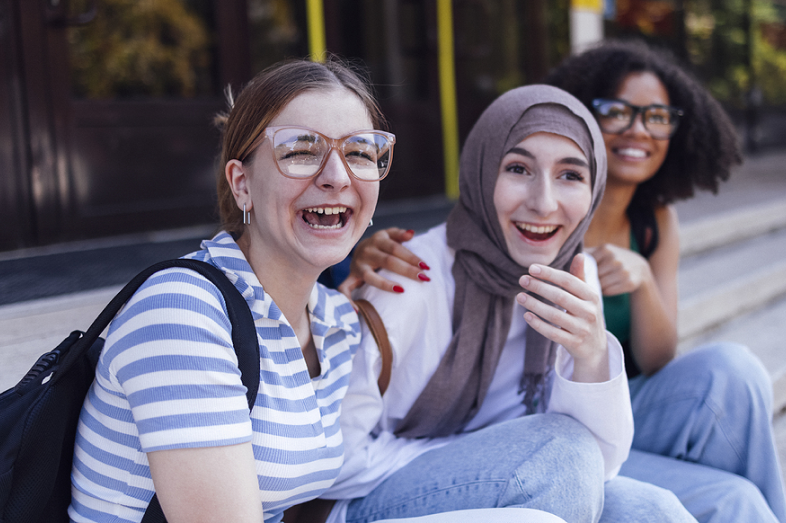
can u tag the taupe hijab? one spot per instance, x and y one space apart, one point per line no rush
486 276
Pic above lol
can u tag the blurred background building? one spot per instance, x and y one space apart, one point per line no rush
106 106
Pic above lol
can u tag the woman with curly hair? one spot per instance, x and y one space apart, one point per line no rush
711 408
703 420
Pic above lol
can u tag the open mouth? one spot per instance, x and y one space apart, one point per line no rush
537 233
326 217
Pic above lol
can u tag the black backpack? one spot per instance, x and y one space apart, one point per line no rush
39 416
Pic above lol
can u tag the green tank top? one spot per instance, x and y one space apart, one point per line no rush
616 309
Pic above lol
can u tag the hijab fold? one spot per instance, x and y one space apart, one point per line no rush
486 276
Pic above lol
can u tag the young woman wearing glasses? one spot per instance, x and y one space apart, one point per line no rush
711 408
703 420
300 169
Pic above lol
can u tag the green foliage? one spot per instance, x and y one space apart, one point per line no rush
717 44
141 48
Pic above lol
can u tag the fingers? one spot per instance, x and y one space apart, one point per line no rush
348 285
615 283
383 251
575 321
554 284
400 260
556 324
375 280
555 333
577 267
354 281
564 290
400 235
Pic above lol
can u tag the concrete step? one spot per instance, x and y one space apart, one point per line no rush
31 328
728 281
723 228
733 277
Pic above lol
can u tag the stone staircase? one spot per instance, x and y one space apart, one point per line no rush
733 270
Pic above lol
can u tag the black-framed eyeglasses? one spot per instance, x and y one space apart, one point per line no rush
300 152
617 116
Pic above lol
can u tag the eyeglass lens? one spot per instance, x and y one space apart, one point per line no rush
616 117
300 153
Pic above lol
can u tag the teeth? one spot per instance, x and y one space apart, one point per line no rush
629 151
336 226
543 229
326 210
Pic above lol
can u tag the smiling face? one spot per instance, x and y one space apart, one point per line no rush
310 224
634 156
542 193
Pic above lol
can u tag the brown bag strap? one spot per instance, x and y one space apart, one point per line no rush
317 510
380 334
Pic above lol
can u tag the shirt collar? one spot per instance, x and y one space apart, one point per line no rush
326 306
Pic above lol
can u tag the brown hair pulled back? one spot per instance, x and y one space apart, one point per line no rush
263 98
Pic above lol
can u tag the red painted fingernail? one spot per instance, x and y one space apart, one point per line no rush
423 266
423 277
397 288
410 231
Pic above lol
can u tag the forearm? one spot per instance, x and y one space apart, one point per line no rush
604 408
653 328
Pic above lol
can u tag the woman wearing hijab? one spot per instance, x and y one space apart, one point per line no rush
506 389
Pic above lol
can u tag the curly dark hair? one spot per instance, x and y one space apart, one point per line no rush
705 146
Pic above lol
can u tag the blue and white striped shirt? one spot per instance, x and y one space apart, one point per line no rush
168 378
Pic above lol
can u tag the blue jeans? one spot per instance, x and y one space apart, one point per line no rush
547 462
711 407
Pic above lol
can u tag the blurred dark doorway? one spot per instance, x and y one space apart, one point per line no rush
107 109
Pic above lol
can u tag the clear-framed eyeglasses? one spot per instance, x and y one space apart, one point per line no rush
617 116
300 152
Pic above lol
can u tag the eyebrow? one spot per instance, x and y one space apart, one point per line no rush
521 151
570 160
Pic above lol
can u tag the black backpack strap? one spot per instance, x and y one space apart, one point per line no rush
244 334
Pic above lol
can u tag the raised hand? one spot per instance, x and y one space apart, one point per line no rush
620 270
575 321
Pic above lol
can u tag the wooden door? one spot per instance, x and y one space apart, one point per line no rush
108 105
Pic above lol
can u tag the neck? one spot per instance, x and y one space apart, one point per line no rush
289 287
610 219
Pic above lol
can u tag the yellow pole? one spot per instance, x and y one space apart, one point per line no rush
447 92
315 14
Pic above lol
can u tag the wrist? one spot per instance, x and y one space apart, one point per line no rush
593 368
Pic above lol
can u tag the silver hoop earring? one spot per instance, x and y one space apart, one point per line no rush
246 216
371 222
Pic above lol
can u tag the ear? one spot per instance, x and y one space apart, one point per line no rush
238 180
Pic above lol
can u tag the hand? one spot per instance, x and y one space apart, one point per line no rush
620 270
383 250
576 322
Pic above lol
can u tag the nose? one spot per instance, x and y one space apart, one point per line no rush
541 198
334 175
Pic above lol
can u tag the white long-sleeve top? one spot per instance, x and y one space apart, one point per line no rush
419 325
